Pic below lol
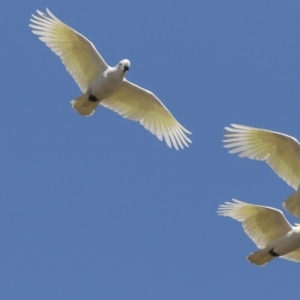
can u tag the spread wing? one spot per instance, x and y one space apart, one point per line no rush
138 104
281 152
261 223
77 53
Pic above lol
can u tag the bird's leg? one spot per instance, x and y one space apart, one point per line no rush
272 253
93 98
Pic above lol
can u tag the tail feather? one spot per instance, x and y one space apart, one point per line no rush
84 106
292 203
260 257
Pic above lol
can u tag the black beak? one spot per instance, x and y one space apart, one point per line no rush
126 68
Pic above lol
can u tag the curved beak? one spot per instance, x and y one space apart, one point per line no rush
126 68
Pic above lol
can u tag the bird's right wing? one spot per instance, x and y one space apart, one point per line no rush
138 104
262 224
281 152
294 255
77 53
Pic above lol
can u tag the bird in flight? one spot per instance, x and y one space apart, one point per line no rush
105 85
268 228
280 151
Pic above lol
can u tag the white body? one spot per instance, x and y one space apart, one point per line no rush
286 243
103 87
107 83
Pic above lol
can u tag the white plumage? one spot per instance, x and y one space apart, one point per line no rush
280 151
102 84
268 228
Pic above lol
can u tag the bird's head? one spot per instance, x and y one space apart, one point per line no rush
124 65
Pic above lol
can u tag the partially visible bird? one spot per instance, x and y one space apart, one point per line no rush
105 85
280 151
268 228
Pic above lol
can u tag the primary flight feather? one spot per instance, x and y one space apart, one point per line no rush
105 85
280 151
268 228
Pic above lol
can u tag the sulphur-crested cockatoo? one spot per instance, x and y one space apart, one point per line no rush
280 151
268 228
102 84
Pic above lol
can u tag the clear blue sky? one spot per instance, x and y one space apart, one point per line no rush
98 208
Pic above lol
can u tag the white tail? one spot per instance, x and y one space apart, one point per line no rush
292 203
84 106
260 257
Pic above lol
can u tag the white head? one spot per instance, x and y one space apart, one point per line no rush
124 65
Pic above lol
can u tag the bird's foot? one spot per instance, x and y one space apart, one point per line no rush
93 98
272 253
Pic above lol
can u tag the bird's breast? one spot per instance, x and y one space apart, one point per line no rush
106 84
287 243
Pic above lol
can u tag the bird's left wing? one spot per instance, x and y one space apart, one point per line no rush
77 53
138 104
280 151
262 224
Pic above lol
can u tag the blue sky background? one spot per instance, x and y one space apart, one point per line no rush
98 208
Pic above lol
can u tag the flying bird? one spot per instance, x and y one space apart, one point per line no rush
268 228
105 85
280 151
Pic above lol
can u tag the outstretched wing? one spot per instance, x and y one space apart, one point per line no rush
77 53
281 152
261 223
138 104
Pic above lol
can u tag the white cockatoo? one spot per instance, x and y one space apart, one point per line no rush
102 84
268 228
280 151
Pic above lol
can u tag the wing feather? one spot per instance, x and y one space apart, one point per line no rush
138 104
281 152
77 53
294 255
